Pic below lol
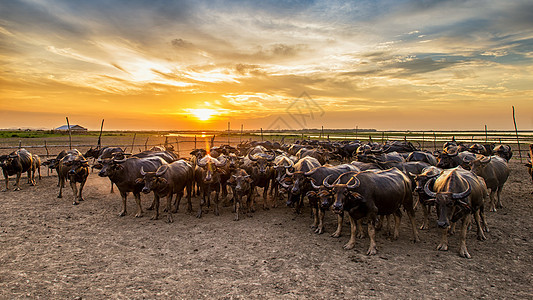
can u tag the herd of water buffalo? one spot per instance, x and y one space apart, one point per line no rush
368 182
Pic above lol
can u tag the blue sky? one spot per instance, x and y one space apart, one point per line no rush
374 64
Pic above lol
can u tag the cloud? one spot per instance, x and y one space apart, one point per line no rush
181 43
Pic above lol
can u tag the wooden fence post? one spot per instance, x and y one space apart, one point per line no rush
517 139
69 135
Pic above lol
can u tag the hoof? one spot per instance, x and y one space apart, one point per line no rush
371 251
152 218
59 196
17 189
336 234
75 203
348 246
442 247
122 214
139 215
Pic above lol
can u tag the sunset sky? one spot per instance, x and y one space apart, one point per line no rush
179 65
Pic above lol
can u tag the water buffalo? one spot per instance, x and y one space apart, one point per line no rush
169 180
426 201
495 171
452 158
259 167
241 184
503 151
422 156
74 168
372 193
458 193
16 163
207 176
124 173
299 184
317 175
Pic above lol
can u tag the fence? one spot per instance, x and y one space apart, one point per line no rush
184 143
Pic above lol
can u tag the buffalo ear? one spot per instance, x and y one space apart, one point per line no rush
311 194
163 180
358 197
139 180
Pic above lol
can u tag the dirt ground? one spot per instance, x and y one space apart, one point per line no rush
52 249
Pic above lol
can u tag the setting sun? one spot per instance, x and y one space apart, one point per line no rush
203 114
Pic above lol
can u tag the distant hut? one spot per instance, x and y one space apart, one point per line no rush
73 128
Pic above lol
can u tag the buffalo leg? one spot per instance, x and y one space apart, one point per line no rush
176 208
17 182
169 204
499 203
6 179
111 191
265 197
492 200
372 249
480 235
276 195
217 195
320 225
124 196
340 219
189 203
202 203
236 206
443 245
360 234
61 185
314 213
463 252
412 220
156 207
425 220
31 176
397 220
82 184
74 188
139 207
351 242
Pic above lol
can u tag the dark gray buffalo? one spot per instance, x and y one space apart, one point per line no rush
74 168
16 163
124 174
167 181
458 194
494 171
372 193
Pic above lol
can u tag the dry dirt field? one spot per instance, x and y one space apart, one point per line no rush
52 249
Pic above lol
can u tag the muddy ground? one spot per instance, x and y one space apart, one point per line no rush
52 249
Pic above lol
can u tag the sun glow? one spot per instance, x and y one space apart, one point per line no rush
203 114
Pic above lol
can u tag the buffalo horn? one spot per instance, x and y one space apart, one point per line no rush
354 185
485 159
462 194
199 163
284 185
316 187
289 173
310 172
119 161
221 164
251 157
326 183
142 171
161 170
427 190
